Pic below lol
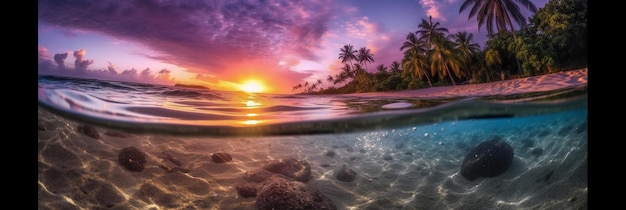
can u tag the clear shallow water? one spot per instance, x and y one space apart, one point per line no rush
188 111
406 150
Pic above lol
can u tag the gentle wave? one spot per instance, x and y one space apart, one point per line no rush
177 110
287 120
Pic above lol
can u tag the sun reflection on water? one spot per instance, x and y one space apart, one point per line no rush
252 106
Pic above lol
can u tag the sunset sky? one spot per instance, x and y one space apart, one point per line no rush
223 44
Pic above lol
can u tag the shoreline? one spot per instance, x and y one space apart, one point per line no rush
539 83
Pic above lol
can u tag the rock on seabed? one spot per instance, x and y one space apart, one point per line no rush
488 159
132 159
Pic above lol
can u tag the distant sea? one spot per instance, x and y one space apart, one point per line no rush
120 145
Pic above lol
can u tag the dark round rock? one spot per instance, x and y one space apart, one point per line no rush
345 174
221 157
299 170
246 191
279 193
330 153
132 159
488 159
258 175
89 131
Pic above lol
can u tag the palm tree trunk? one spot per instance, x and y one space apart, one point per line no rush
450 75
427 77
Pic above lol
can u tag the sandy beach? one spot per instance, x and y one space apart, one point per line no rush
416 167
504 87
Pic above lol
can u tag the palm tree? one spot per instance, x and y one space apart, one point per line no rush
415 59
362 78
312 87
443 59
463 44
298 86
319 83
347 54
394 67
500 12
416 65
492 57
437 45
338 78
329 78
381 68
365 56
306 86
346 73
429 31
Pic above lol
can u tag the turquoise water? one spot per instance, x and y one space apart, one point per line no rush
406 150
185 111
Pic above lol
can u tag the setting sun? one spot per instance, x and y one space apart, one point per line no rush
252 86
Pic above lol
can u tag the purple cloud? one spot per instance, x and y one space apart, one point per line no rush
205 37
60 60
80 63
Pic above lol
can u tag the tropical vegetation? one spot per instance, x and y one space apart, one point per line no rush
554 39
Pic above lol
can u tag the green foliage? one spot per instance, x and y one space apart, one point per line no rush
415 61
555 40
562 25
393 82
441 83
502 43
416 84
468 52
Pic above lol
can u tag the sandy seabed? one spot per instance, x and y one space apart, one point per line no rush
405 168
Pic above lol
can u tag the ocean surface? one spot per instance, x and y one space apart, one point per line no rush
394 150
